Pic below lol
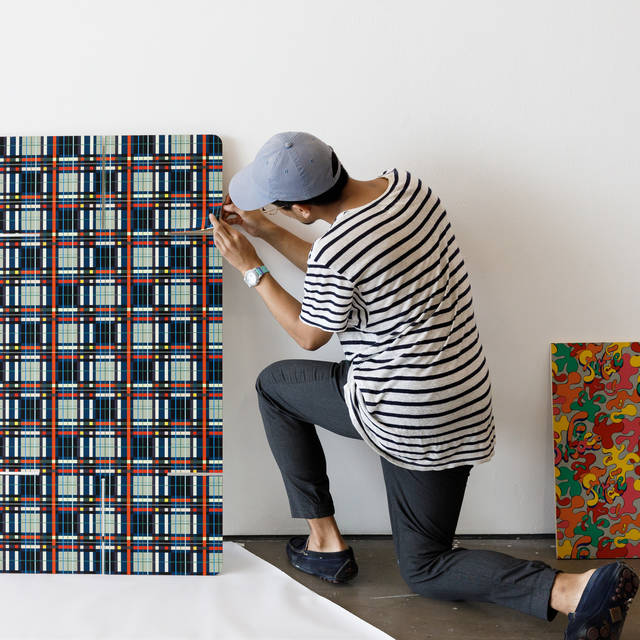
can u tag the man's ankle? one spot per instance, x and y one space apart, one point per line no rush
567 590
328 544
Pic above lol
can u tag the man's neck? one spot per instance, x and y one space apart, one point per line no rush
356 193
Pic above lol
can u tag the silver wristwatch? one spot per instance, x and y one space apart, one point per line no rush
252 276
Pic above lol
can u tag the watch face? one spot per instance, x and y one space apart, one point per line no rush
252 278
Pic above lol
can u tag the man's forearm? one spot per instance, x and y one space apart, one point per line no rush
284 307
289 245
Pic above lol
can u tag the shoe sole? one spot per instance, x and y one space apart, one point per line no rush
331 580
626 590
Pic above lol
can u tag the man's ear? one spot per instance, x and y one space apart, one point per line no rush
301 211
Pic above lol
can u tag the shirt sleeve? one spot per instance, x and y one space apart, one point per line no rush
328 298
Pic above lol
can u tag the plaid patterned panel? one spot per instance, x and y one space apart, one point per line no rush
110 355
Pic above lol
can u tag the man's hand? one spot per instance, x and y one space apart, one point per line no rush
284 307
234 246
253 222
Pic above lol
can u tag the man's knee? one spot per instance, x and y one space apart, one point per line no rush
278 372
260 381
421 573
412 576
265 377
272 374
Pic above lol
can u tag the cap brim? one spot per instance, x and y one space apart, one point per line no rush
244 193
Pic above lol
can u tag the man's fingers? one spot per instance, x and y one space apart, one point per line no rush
228 205
222 228
230 209
226 228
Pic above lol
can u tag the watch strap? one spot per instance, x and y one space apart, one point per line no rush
258 271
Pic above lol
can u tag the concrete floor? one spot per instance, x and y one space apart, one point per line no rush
380 596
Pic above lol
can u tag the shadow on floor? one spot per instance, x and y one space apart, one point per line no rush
380 596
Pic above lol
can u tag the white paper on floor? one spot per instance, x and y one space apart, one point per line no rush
249 599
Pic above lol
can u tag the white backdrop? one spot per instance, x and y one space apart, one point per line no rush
522 116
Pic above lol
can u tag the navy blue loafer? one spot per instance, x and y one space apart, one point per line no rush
604 603
334 566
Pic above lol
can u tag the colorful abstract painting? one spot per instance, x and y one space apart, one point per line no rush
110 355
596 429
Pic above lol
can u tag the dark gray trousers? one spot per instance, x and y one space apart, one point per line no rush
424 506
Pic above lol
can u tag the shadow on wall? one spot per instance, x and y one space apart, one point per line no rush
521 249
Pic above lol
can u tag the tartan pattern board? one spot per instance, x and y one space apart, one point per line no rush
110 355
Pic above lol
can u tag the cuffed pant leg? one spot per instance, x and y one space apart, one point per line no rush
424 507
293 396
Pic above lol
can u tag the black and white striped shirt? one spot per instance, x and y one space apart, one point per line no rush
389 278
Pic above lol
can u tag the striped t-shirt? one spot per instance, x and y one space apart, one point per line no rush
389 278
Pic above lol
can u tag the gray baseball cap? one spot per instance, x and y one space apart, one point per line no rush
291 166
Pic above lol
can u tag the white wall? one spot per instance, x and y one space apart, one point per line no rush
522 116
